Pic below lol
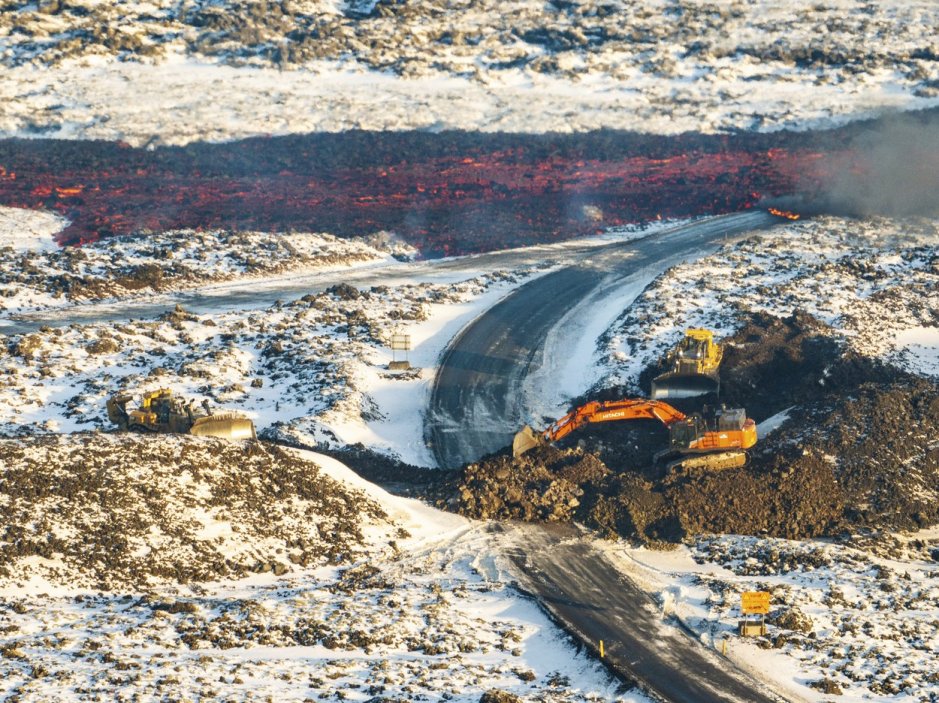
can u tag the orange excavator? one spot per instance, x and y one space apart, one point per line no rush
717 441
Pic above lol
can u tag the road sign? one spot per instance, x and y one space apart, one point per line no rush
754 602
401 342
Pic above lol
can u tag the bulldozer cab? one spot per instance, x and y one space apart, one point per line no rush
696 345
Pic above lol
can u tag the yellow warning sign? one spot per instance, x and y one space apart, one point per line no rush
754 602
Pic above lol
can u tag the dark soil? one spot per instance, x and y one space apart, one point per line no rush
858 450
118 510
394 475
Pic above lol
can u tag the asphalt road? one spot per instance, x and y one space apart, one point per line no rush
592 600
248 294
477 403
478 399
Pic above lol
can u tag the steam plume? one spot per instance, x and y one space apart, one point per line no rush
893 170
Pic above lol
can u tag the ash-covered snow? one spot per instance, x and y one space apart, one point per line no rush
168 72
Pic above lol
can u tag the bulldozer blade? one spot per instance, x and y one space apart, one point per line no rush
683 386
224 426
525 440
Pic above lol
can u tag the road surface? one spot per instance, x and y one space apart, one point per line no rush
479 395
592 600
479 399
253 293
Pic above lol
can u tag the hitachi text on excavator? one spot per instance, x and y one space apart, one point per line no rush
718 440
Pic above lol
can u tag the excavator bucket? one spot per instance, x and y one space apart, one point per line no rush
224 425
681 385
526 439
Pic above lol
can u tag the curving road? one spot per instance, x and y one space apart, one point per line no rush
252 293
479 396
482 394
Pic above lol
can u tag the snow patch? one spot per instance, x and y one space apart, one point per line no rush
919 347
29 230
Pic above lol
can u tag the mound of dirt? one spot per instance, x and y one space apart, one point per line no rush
551 484
858 450
544 484
112 511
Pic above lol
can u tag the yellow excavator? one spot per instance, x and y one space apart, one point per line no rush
693 367
161 411
718 440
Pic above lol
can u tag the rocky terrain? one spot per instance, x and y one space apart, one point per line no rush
193 568
150 262
520 66
572 39
864 620
868 281
127 511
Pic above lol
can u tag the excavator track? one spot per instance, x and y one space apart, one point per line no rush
720 461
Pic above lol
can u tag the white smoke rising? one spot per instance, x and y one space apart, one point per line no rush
894 170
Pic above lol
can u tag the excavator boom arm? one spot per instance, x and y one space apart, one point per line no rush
611 410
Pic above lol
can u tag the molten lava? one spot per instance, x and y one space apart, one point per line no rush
785 214
446 194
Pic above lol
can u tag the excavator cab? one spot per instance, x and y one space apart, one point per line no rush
685 433
693 367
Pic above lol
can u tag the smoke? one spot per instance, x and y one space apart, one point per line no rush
893 170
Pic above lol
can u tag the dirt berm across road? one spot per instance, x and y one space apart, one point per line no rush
858 450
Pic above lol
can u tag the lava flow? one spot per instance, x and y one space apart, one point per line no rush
451 193
785 214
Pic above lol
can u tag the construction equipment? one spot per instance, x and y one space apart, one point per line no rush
160 411
718 440
692 367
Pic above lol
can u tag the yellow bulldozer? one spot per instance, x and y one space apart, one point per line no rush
161 411
693 367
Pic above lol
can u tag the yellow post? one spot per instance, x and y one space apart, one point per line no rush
601 649
724 647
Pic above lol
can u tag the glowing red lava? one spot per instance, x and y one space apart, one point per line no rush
786 214
446 194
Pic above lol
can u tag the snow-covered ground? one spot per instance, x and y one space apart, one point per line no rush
37 274
875 282
165 72
860 619
28 230
419 609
